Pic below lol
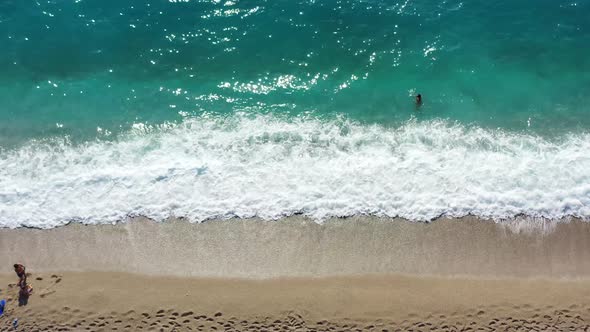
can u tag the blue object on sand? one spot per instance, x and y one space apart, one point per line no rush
2 305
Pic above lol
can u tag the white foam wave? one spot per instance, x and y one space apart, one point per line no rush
263 166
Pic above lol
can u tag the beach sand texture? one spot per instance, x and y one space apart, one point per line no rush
91 301
359 274
299 247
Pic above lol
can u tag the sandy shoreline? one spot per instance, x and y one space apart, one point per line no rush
298 247
357 274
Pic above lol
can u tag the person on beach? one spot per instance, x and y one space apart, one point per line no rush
418 100
25 288
21 274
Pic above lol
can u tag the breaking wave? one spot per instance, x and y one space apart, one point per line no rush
269 167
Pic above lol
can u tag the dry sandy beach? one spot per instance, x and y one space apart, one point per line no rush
108 301
358 274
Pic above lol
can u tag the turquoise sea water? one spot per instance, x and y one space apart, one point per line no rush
268 108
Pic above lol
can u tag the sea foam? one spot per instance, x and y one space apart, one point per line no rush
269 167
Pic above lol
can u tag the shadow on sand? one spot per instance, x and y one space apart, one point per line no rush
23 299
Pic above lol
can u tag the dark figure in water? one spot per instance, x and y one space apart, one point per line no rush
418 100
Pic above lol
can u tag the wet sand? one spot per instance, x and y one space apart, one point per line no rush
298 247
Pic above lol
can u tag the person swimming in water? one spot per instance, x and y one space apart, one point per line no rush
418 100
